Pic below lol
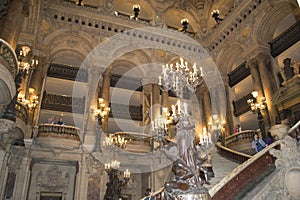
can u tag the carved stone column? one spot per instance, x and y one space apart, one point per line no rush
14 177
155 101
11 28
206 103
165 100
147 101
89 122
36 82
3 172
229 112
105 92
257 85
266 75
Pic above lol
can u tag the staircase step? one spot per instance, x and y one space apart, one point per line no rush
221 167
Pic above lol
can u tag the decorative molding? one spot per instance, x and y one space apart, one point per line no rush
15 159
6 126
67 72
126 82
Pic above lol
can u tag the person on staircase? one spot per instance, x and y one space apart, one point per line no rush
258 144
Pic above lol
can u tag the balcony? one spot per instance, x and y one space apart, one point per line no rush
58 136
285 40
238 74
67 72
63 103
241 106
126 112
124 82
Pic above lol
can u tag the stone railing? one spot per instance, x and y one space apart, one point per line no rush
68 72
9 56
243 135
63 103
246 174
285 40
58 136
122 111
129 83
136 142
231 154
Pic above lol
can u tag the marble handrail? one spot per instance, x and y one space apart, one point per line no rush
58 131
243 135
232 154
257 163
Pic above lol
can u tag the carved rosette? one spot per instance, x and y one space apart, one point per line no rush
53 179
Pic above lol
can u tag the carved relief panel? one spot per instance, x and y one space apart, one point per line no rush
52 180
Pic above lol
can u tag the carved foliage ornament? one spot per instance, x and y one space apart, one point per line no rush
288 162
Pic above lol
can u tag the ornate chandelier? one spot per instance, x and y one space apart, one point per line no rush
179 76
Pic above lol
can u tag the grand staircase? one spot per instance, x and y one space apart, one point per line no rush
221 167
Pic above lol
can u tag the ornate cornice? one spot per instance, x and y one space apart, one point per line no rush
126 82
67 72
64 10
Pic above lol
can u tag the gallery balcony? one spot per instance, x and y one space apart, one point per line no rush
58 136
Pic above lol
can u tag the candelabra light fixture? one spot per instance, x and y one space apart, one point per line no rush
136 8
31 101
114 143
114 184
26 60
215 14
79 3
205 140
216 126
179 76
184 23
160 130
256 107
101 111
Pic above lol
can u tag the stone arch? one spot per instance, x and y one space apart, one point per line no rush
271 20
227 59
166 40
63 38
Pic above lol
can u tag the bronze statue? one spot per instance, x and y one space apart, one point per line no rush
188 174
